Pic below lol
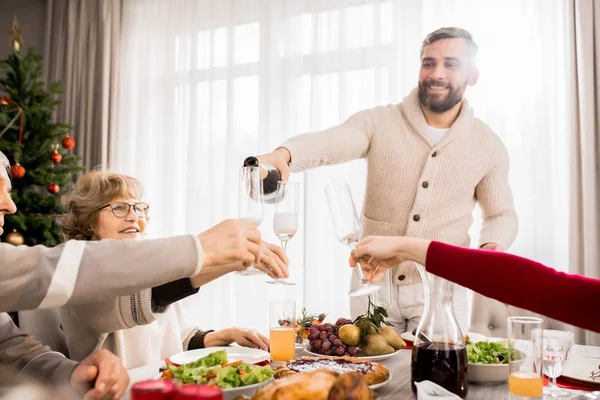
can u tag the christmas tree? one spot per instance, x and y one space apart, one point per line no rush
38 148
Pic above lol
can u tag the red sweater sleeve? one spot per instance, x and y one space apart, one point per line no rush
519 282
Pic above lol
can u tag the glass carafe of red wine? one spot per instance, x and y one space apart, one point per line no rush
439 353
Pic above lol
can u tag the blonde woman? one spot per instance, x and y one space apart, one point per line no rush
147 326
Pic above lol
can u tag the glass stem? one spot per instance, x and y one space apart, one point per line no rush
360 271
553 384
284 245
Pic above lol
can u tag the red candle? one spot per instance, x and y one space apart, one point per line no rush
198 392
163 389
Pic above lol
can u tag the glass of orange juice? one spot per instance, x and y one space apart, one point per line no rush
282 322
525 348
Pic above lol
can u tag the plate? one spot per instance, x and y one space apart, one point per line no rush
583 369
475 337
234 353
408 337
234 393
360 354
378 385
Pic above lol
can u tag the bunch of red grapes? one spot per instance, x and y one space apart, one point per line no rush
324 339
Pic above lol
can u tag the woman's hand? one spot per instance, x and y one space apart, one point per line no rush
377 254
273 261
250 338
243 337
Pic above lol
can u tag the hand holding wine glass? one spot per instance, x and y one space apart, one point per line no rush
250 203
347 227
285 221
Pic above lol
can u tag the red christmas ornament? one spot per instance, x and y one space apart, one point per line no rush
53 188
56 157
17 171
68 142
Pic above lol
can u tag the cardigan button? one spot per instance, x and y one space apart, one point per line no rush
416 217
425 185
434 154
491 327
401 278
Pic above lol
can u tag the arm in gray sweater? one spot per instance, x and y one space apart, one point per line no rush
83 272
28 356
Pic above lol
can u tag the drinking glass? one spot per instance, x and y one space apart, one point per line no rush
285 221
557 347
250 203
282 323
347 227
525 344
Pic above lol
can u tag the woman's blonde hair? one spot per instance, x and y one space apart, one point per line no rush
93 191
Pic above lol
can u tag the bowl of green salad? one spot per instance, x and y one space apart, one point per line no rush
487 361
233 375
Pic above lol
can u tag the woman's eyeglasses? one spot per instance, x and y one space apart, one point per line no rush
121 209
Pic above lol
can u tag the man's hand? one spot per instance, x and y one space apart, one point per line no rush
279 159
231 241
492 246
104 373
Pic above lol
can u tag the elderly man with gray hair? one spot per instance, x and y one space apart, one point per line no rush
430 161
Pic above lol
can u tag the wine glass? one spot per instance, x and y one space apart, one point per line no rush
285 221
347 227
250 203
557 346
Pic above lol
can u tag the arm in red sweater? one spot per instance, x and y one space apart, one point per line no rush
519 282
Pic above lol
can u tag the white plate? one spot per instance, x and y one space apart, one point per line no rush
408 337
234 353
378 385
475 337
360 354
580 369
233 393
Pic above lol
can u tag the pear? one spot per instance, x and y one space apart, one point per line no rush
350 335
392 338
376 345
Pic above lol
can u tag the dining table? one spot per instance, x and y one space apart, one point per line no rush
399 387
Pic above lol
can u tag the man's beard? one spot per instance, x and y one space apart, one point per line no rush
436 104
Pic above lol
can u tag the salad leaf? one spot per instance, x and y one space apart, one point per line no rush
487 352
213 369
227 377
211 360
257 374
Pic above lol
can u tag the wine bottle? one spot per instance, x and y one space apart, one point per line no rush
270 176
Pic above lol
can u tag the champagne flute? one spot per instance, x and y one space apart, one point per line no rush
285 221
347 227
250 203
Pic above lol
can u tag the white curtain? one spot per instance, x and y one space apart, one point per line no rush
206 83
